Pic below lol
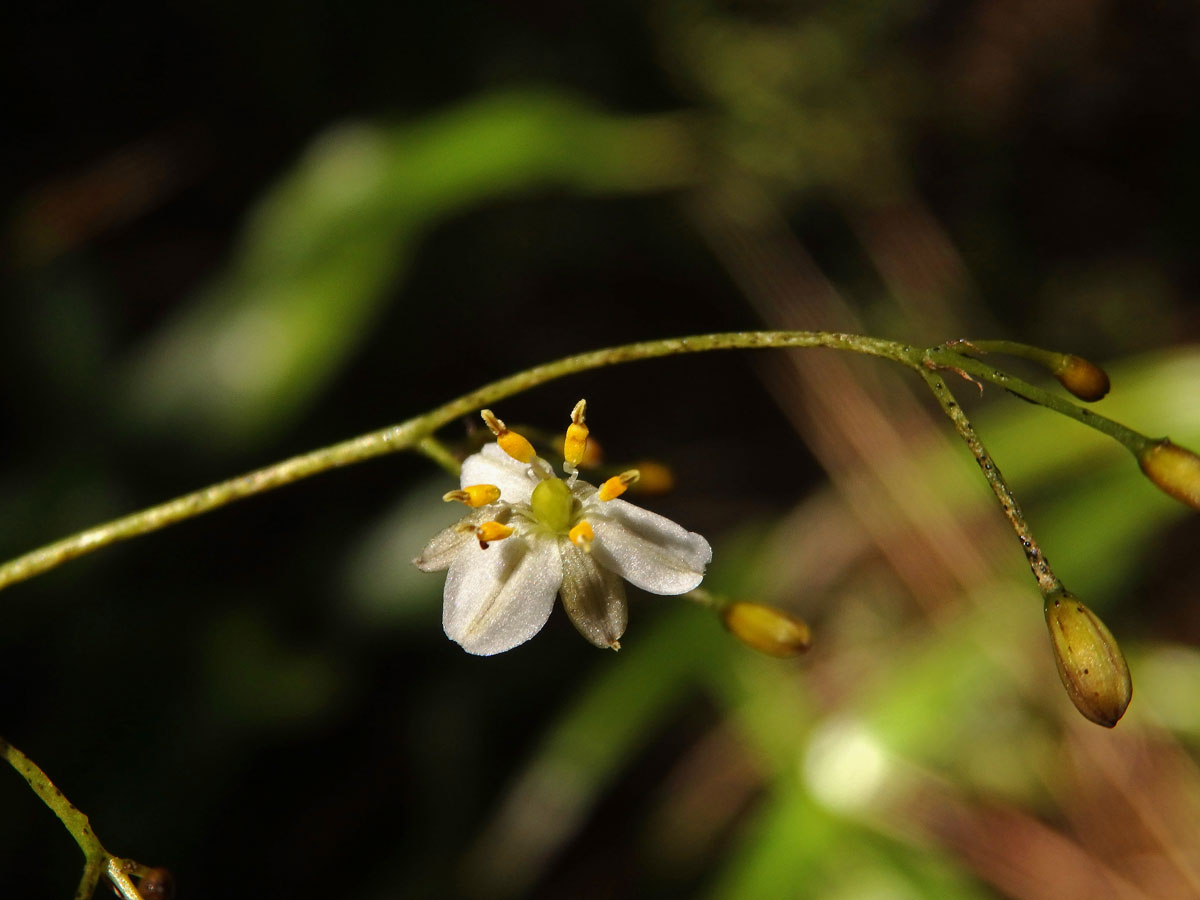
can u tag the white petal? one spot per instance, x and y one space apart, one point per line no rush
491 465
647 549
445 546
593 597
502 596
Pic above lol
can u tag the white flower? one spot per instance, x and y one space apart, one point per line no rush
533 536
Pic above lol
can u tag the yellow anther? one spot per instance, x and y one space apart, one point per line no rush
575 443
510 442
582 535
474 495
618 484
491 531
656 478
516 446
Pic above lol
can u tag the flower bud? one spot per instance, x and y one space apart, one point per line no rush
1089 661
1175 469
1084 379
767 629
156 884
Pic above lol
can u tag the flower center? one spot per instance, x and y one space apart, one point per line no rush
551 503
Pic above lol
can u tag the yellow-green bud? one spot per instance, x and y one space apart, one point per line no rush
1090 663
1175 469
1084 379
767 629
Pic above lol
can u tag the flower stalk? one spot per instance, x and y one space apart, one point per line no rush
417 433
565 523
950 359
1047 581
1089 661
98 862
1081 377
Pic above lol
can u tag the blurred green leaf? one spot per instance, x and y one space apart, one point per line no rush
323 247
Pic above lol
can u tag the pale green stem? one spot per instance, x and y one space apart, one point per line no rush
1048 583
705 598
436 451
1047 359
118 872
952 360
98 861
417 433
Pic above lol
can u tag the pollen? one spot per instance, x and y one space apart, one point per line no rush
618 484
474 495
492 531
575 443
515 445
582 536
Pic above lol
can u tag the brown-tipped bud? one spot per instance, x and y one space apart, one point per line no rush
1175 469
767 629
156 884
1090 663
1084 379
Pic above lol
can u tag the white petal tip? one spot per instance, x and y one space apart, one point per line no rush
485 647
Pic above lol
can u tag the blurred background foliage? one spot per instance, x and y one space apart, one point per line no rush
234 233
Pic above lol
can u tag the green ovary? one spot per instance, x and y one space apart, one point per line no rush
551 503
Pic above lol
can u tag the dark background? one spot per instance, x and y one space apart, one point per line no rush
235 233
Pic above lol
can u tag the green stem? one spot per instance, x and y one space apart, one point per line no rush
436 451
1047 359
417 433
1046 579
98 861
946 358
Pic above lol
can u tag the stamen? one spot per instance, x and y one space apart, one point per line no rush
491 531
656 478
618 484
474 495
575 443
582 536
510 442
